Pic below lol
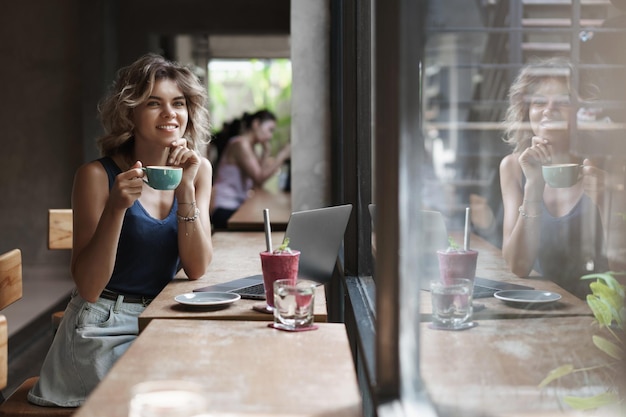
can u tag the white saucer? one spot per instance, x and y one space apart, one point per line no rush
527 296
207 299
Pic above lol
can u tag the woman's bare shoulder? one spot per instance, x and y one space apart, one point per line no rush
206 168
93 169
510 164
237 146
91 174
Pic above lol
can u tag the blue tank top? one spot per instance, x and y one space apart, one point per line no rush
572 246
147 251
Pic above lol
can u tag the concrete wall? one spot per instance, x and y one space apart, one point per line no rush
41 119
310 61
60 56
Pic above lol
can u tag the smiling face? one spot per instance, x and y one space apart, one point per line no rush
163 117
549 111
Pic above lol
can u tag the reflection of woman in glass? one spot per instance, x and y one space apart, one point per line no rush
240 168
557 232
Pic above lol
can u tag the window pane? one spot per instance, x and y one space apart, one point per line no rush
508 89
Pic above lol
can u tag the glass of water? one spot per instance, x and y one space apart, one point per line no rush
452 304
293 303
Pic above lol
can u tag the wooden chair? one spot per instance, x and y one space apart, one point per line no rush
60 229
16 404
4 352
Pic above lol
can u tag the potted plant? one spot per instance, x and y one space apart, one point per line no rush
607 304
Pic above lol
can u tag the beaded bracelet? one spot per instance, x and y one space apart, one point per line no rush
525 215
189 219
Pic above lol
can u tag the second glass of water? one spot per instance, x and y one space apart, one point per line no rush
452 303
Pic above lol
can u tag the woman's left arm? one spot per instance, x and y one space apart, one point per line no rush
610 203
195 247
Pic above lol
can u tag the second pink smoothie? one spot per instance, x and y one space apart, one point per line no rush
457 264
278 265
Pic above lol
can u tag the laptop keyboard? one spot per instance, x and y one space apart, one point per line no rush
483 292
484 287
257 289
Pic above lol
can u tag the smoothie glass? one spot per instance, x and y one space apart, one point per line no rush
278 265
457 263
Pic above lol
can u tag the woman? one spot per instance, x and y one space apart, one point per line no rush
558 232
240 168
129 239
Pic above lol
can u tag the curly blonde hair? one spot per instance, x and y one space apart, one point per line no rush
133 86
517 131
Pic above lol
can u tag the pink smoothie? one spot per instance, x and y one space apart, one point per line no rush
278 265
457 264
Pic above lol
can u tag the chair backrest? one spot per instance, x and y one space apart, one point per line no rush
10 291
10 277
4 352
60 229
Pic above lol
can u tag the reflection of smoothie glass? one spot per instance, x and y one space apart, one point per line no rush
278 265
457 264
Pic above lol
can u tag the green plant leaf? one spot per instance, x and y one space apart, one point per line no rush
452 243
284 246
588 403
608 347
600 310
609 280
609 294
556 374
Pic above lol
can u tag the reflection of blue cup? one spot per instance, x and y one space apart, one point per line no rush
162 177
561 175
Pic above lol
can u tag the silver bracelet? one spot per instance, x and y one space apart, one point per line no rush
525 215
189 219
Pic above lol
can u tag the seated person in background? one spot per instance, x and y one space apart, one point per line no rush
130 239
240 168
558 232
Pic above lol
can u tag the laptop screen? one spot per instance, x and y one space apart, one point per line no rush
318 235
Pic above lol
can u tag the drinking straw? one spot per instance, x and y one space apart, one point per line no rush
268 231
466 238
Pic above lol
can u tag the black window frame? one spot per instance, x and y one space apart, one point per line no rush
376 47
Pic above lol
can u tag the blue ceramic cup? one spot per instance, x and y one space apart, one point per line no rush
162 177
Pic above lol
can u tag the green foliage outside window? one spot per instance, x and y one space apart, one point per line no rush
250 85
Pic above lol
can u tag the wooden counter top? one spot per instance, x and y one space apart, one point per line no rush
491 265
246 368
235 255
250 215
497 366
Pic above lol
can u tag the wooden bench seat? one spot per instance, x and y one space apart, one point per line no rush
16 404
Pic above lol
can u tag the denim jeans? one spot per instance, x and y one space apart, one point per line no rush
90 338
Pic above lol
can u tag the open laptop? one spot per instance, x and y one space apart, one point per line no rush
317 234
